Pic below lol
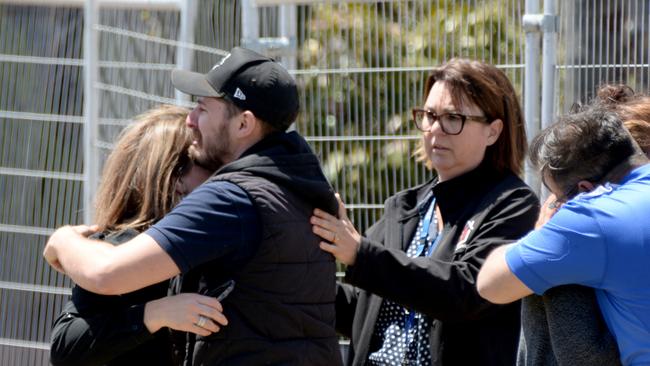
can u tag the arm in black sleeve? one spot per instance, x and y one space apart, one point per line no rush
445 290
346 304
96 339
347 295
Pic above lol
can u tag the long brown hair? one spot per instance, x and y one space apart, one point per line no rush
489 89
138 182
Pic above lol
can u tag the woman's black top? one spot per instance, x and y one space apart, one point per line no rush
109 330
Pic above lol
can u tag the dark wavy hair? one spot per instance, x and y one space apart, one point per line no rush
585 145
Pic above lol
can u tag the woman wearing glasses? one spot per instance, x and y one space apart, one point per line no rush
147 173
411 295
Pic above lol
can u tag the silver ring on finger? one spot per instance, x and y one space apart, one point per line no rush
202 321
334 238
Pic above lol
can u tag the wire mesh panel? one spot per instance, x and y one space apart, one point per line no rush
40 168
41 131
361 66
601 42
137 65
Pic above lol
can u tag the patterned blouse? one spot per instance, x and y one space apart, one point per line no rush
401 336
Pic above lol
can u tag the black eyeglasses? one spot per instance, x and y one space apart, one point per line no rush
450 123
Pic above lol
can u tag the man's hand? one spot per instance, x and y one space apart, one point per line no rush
58 239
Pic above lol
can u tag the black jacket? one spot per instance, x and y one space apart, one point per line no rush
481 210
281 311
109 330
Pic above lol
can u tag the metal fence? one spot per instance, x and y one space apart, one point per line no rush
360 66
601 42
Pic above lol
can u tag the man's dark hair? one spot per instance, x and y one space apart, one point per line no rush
231 108
581 146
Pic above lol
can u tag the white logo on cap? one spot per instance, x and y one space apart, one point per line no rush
220 62
239 94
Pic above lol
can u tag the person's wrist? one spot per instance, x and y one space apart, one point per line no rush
353 258
150 319
66 236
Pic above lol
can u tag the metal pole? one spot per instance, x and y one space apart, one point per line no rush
250 25
531 90
289 30
91 108
549 52
184 55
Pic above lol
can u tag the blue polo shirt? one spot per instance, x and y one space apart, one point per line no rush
217 221
600 239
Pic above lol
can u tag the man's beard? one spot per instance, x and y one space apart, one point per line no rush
204 159
211 156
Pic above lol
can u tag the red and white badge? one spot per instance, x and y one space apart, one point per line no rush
467 231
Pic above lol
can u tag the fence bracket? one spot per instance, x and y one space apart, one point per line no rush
536 23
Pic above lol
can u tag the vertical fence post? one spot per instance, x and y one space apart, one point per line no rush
91 107
185 55
250 25
549 53
531 84
289 29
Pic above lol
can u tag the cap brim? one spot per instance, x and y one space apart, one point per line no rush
193 83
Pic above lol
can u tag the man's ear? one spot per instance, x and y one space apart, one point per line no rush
495 128
247 124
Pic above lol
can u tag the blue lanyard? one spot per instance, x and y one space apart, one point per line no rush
428 219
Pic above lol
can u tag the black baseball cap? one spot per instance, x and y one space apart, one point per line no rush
251 81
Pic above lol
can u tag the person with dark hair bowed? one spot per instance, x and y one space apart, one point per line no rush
597 238
146 174
248 223
411 296
565 326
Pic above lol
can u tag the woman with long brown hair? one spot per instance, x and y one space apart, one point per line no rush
146 174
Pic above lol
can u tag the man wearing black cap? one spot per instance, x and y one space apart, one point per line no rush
248 223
